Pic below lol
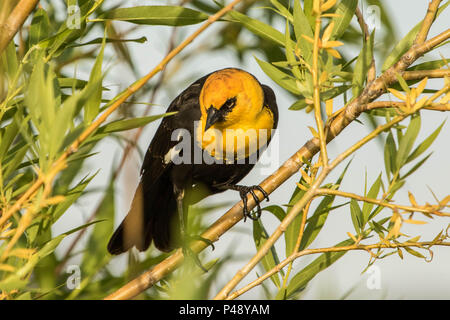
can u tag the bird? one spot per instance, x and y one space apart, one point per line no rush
192 156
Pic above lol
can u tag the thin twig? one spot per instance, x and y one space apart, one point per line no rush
420 74
427 22
380 202
395 104
371 73
316 93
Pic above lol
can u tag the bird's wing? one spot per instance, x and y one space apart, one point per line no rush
186 104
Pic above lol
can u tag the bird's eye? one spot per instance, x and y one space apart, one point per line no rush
229 104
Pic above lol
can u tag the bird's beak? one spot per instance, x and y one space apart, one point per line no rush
212 116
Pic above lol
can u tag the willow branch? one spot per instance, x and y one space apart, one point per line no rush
395 104
371 73
290 167
383 203
316 93
306 252
427 22
310 193
15 20
298 242
420 74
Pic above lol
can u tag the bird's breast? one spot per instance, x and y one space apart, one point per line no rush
243 139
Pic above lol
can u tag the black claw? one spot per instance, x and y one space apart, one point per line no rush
243 191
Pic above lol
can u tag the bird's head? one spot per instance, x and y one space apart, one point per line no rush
230 97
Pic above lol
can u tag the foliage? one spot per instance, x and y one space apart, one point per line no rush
45 111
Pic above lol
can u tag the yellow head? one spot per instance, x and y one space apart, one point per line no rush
228 95
232 99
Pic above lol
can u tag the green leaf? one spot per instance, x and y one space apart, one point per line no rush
40 27
400 48
156 15
357 216
362 66
108 40
128 124
8 134
372 194
69 198
277 211
334 92
390 153
257 27
301 279
302 27
421 148
74 83
9 60
403 45
282 10
96 252
429 65
298 105
92 106
43 98
345 11
416 166
282 79
270 260
317 220
290 57
414 252
292 231
407 141
19 279
308 6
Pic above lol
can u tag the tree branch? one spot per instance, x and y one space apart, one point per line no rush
395 104
427 22
383 203
15 20
420 74
371 73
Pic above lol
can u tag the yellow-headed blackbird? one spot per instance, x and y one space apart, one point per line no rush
227 100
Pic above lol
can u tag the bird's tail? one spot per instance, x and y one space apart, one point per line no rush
152 217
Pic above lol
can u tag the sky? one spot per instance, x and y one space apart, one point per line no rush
399 279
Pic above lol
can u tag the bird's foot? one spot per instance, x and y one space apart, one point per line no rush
243 192
188 252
